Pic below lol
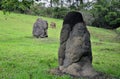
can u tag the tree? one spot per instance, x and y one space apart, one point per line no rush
77 1
55 2
61 3
0 4
15 5
51 3
106 14
24 5
81 2
8 5
70 2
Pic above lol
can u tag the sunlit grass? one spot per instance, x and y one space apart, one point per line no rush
25 57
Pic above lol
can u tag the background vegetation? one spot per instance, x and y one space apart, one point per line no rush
25 57
98 13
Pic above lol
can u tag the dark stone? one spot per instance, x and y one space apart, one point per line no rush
40 28
75 54
73 18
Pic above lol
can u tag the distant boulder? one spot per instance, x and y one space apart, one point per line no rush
40 28
53 25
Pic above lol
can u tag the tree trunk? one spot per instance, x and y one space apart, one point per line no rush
62 3
77 1
81 2
51 1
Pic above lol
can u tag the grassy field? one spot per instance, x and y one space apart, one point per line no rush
25 57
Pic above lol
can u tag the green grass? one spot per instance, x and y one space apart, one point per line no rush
25 57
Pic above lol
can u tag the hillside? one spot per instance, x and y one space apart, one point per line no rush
25 57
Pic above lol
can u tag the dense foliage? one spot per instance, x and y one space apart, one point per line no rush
106 14
99 13
15 5
54 12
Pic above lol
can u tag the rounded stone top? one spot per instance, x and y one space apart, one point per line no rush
73 18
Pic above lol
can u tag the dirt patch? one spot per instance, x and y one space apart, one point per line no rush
101 75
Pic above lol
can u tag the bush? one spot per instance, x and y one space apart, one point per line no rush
35 9
54 12
15 6
112 19
60 12
106 16
49 12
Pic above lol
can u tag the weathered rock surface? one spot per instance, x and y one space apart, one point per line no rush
40 28
75 54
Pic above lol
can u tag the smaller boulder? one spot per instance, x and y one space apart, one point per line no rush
40 28
53 25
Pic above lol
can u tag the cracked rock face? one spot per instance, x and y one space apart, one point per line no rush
40 28
75 54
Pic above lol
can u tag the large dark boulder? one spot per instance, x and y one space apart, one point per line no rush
40 28
75 54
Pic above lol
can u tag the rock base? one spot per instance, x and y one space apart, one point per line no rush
99 75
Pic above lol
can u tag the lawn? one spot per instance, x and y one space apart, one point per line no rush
25 57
